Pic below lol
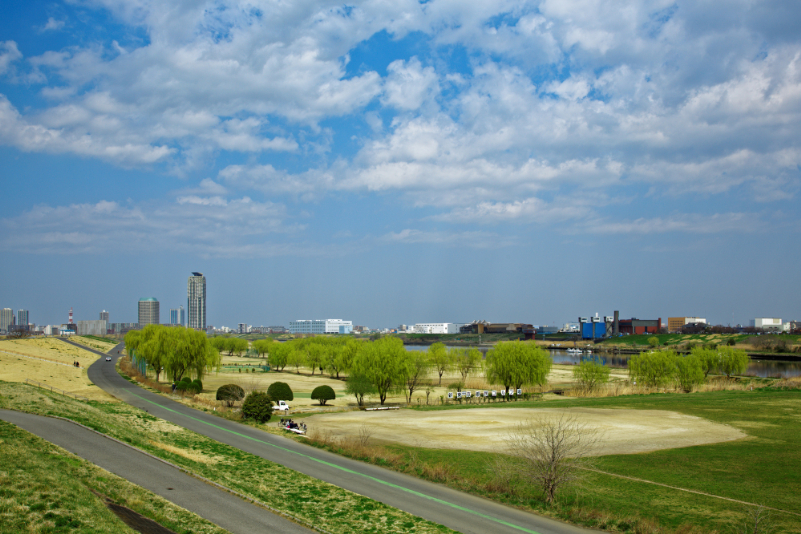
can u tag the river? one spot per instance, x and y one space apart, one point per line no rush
760 368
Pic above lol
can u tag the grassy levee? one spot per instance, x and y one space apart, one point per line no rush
45 489
678 339
315 502
764 468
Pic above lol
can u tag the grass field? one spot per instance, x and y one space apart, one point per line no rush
315 502
49 361
45 489
764 468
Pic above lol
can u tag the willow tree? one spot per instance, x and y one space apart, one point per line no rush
440 359
177 350
192 352
417 366
278 356
262 346
156 345
385 363
465 361
518 363
733 361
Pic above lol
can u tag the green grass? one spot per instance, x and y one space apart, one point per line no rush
332 508
45 489
764 468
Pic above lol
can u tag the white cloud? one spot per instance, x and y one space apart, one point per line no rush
16 131
685 223
9 53
472 239
409 85
53 24
206 226
553 100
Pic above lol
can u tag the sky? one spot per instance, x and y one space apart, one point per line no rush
396 162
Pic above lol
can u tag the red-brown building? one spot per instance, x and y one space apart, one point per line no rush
640 326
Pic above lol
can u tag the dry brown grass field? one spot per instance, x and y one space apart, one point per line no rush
50 361
621 431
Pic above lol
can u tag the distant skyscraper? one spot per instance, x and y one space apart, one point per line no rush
6 318
22 317
196 297
148 311
182 316
104 316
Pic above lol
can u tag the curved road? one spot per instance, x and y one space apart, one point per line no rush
440 504
214 504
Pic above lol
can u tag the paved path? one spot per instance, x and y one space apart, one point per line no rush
216 505
460 511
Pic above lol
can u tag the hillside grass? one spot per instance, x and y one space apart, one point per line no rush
701 339
45 489
308 499
764 468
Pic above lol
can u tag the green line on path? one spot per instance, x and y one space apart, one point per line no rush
345 469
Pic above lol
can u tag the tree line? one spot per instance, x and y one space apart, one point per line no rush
383 366
665 368
175 350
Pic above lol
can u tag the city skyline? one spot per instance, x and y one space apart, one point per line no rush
402 162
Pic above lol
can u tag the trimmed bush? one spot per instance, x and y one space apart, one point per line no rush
257 406
280 391
322 394
186 379
198 384
181 386
230 393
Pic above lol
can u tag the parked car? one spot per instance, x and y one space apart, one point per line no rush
108 358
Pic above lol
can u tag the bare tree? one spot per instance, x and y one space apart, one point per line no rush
553 451
756 521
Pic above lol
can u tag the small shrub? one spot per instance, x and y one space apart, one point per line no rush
257 406
230 393
280 391
322 394
186 379
198 384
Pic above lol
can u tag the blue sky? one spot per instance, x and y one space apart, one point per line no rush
401 162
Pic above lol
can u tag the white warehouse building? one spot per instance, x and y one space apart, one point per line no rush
320 326
436 328
767 323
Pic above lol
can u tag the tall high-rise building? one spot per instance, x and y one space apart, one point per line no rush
6 318
196 305
148 311
178 316
104 316
22 317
